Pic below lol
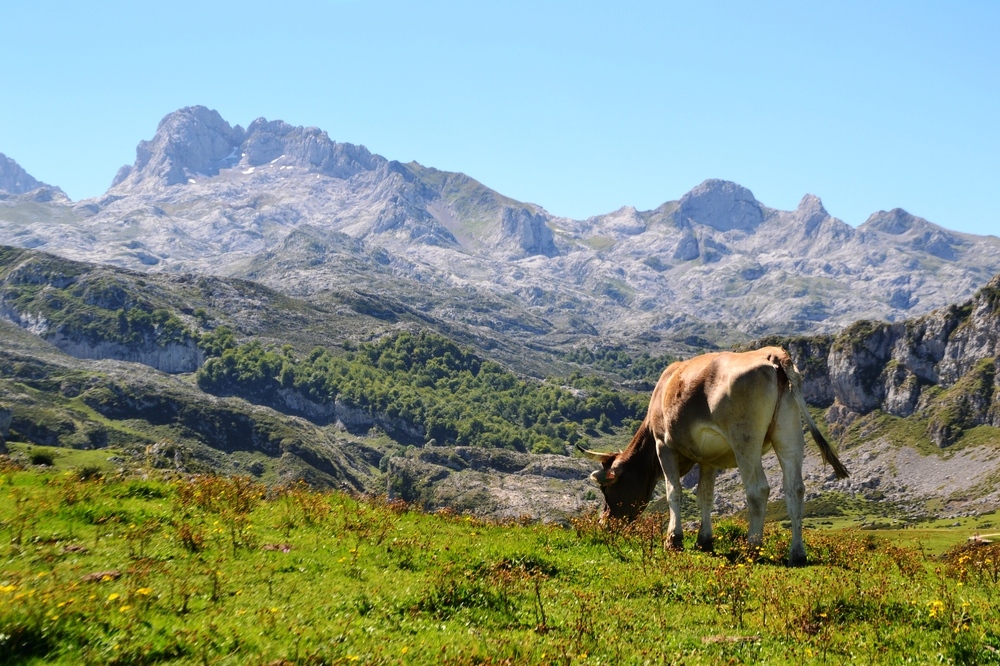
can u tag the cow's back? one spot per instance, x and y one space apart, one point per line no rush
715 403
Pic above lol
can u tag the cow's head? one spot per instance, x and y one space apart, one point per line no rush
625 486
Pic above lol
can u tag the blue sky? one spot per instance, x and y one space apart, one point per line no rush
581 107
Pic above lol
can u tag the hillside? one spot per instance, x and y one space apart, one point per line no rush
224 374
96 356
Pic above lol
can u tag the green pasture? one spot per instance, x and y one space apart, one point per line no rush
102 568
60 459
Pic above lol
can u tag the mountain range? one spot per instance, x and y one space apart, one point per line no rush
295 210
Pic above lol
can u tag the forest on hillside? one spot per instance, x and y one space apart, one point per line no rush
421 386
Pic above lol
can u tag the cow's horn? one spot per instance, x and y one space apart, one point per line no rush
599 456
604 477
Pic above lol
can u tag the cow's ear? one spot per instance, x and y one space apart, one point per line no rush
604 477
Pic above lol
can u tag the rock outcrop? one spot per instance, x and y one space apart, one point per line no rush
14 179
942 366
525 233
171 357
93 313
497 484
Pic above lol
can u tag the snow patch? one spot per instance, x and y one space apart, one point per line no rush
250 170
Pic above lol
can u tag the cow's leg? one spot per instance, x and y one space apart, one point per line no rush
670 464
706 499
791 470
757 491
788 444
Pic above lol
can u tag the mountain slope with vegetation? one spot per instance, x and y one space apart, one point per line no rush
415 414
334 414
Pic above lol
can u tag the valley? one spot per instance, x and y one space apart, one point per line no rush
271 301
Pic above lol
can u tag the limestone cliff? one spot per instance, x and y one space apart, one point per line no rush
93 312
941 367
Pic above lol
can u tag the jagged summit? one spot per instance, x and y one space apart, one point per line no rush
307 147
196 142
15 180
811 213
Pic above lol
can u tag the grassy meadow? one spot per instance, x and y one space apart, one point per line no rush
104 568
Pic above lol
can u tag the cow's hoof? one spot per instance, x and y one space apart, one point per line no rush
797 560
706 545
674 543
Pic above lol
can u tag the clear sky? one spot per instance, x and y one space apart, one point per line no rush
581 107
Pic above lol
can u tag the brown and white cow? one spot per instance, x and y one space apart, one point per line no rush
719 410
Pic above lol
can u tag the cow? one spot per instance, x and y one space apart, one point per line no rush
719 410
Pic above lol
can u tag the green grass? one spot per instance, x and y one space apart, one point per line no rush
146 570
65 460
600 243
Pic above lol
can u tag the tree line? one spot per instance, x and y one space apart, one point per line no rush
448 394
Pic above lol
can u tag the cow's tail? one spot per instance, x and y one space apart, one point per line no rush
825 450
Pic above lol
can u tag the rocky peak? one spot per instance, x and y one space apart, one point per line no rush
307 147
896 221
810 213
722 205
194 141
14 179
626 221
918 233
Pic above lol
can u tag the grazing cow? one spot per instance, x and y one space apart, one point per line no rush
719 410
